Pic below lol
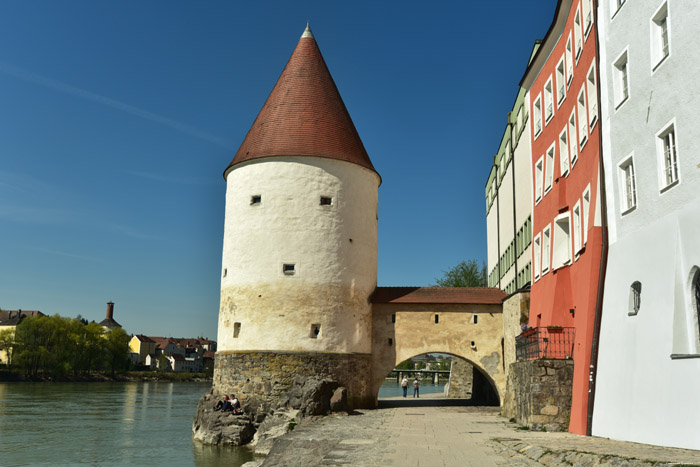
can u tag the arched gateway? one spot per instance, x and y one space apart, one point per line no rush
463 321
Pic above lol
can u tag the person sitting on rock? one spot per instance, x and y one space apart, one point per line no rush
222 404
236 405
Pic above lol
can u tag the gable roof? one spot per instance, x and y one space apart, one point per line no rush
109 323
304 115
143 338
439 295
14 317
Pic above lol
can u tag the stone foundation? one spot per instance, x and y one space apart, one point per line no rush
262 380
538 394
461 378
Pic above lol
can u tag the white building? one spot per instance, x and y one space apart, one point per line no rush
509 204
648 372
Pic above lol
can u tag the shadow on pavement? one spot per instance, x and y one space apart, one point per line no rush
425 402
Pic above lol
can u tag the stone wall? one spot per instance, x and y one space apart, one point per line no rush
516 310
262 379
538 394
461 378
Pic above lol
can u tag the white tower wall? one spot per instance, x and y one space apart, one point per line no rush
333 249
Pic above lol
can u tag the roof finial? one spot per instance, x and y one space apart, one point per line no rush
307 32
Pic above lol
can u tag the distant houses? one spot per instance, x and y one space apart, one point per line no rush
172 354
9 319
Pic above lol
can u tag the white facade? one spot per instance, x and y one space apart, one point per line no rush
299 256
648 372
509 205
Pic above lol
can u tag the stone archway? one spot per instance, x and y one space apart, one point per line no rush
403 330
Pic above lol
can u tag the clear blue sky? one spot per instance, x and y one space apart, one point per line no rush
117 120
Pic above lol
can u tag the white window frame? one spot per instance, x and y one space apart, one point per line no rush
549 169
576 229
561 245
537 254
627 185
539 179
537 115
586 211
615 7
587 17
569 61
548 101
663 168
592 91
621 78
564 153
578 34
546 249
656 49
582 117
561 81
573 139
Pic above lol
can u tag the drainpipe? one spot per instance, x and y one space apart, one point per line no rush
604 249
512 172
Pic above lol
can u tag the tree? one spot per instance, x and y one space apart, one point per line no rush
405 365
7 342
117 350
465 274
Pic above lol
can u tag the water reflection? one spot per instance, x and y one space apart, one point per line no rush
48 424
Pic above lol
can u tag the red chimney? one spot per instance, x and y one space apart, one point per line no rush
110 310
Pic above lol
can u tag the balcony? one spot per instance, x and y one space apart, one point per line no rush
554 342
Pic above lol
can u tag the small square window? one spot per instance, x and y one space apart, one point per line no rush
437 319
393 317
315 332
255 199
326 200
391 342
288 269
475 319
236 330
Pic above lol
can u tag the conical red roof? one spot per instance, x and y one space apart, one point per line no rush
304 115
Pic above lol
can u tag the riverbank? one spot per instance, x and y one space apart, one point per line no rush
426 433
7 376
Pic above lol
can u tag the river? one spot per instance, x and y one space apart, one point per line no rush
114 424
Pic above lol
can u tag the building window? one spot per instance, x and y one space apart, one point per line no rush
315 331
537 113
393 317
577 227
695 294
539 174
582 118
621 79
561 252
628 188
615 5
549 167
225 272
289 269
546 242
537 253
563 154
573 142
561 82
668 157
577 34
548 101
255 200
437 319
592 90
635 298
587 17
569 62
326 201
659 36
236 330
585 211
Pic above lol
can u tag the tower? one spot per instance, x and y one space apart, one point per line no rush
299 256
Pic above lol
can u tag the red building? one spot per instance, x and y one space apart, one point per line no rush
562 84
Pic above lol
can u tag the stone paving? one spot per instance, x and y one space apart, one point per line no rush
427 433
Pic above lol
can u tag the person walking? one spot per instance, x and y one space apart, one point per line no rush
404 385
416 385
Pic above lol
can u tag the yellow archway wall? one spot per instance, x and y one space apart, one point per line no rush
401 331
